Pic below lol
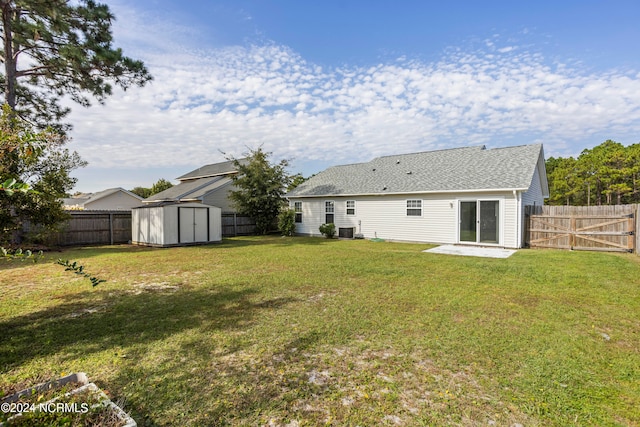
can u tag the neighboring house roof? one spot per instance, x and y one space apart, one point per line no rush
215 169
196 184
86 200
110 191
452 170
190 190
75 202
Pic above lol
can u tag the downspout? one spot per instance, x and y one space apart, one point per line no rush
518 197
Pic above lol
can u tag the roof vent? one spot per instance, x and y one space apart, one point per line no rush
397 162
374 169
384 188
484 147
409 173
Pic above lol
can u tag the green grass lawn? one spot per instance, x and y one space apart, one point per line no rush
306 331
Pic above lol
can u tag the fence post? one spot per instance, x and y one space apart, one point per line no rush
111 228
235 224
636 210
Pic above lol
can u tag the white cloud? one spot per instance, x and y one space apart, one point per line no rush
206 101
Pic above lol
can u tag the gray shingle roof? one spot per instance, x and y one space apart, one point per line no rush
223 168
457 169
190 190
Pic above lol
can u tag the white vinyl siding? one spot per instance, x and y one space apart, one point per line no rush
534 194
117 201
220 198
509 212
386 217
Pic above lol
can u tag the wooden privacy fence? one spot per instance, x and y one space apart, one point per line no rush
114 227
237 225
589 228
96 228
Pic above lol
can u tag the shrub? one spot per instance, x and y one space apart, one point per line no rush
287 222
328 230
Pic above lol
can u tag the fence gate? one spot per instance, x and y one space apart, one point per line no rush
597 228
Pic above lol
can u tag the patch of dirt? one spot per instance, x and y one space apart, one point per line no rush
321 296
87 311
381 386
319 378
154 287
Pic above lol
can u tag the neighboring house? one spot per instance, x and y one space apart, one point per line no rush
458 196
113 199
208 184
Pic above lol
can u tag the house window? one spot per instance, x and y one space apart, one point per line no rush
414 207
297 207
329 212
351 207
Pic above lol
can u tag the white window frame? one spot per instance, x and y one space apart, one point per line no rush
332 204
297 208
413 205
352 208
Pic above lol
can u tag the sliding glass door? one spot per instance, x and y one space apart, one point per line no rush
468 224
480 221
489 221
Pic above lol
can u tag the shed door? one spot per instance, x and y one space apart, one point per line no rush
194 225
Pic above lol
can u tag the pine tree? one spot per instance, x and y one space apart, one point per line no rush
58 48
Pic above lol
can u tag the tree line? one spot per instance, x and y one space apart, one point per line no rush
158 187
608 174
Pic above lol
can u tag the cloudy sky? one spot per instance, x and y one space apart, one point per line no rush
334 82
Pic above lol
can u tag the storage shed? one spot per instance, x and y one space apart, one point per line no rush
176 224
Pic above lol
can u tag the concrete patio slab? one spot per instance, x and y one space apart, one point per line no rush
472 251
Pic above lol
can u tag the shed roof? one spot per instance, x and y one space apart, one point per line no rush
173 203
451 170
